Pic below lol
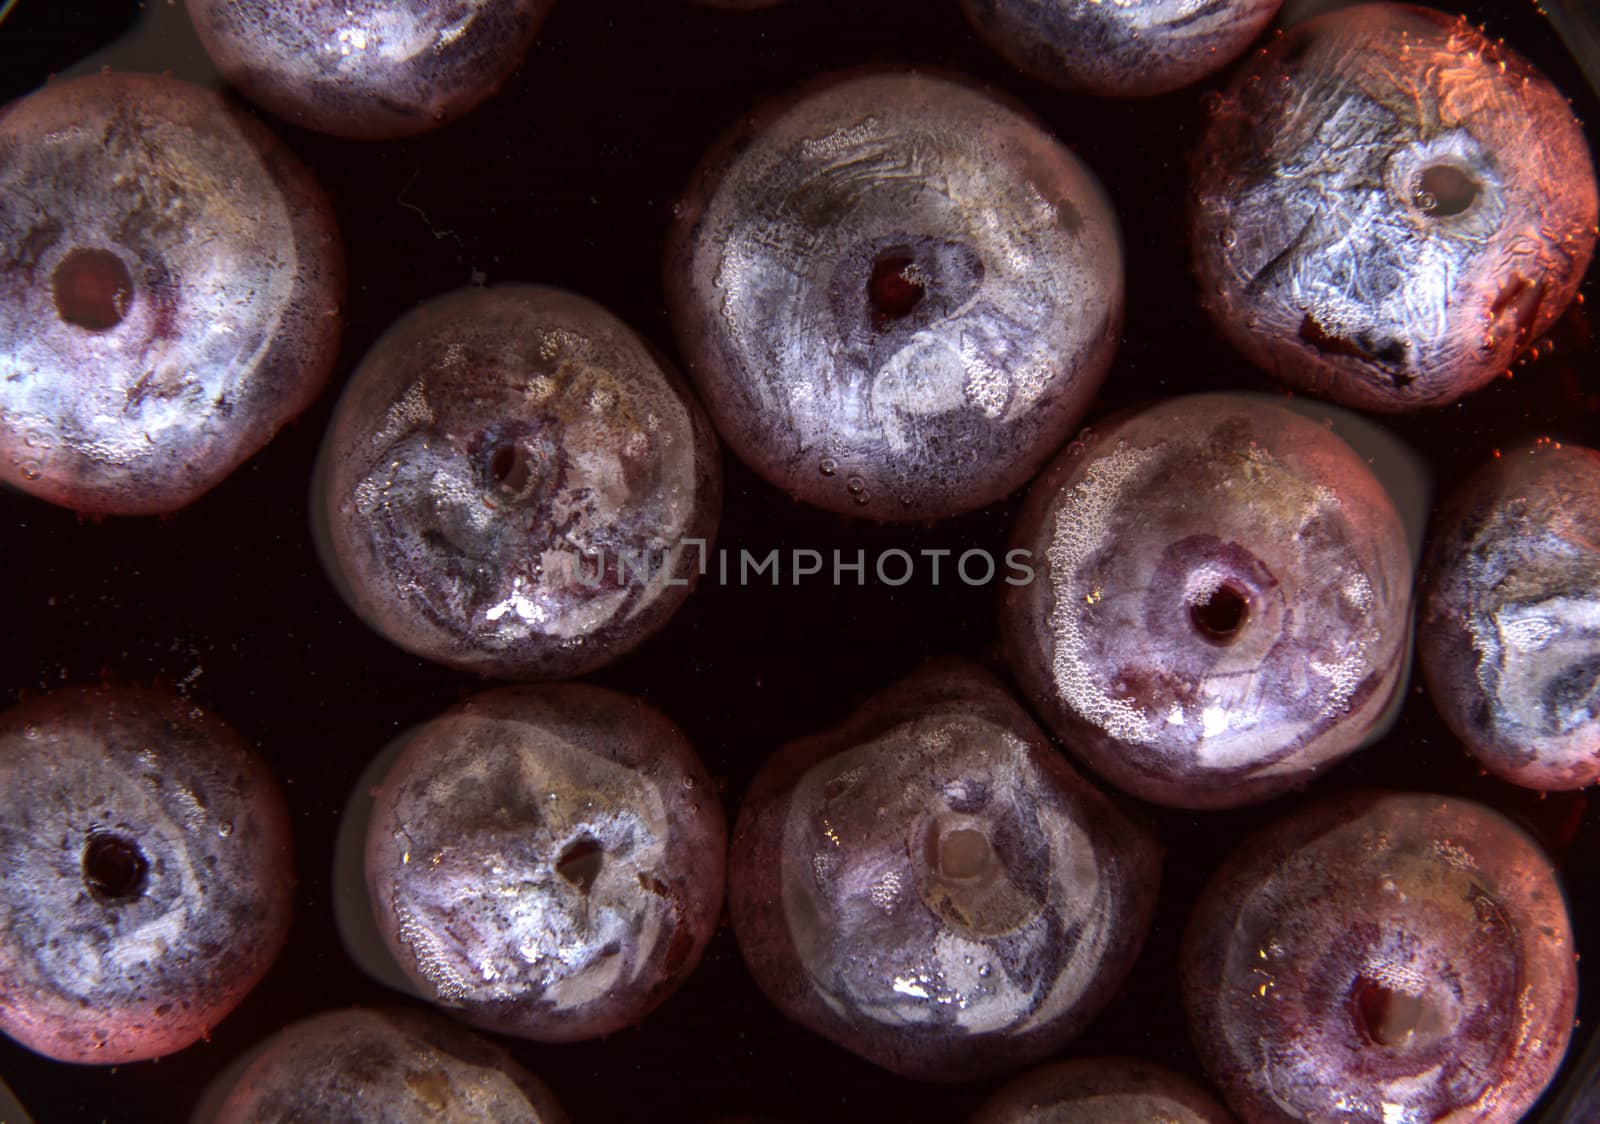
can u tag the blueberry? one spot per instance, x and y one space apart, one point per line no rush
170 277
896 294
1390 207
1221 600
931 886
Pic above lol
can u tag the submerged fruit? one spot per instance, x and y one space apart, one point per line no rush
1390 207
1120 49
400 1067
1509 631
1382 958
368 68
931 886
896 294
547 861
147 873
170 278
1221 603
516 485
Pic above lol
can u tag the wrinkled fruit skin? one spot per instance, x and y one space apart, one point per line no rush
1220 604
1102 1091
547 861
147 873
1120 49
512 480
896 295
368 69
400 1067
1382 958
1390 208
1509 631
170 279
931 886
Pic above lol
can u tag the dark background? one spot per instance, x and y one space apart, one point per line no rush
569 178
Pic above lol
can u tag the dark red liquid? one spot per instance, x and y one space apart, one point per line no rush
893 289
92 289
569 178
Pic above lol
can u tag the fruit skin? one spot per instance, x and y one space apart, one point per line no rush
230 323
104 978
1120 50
1509 627
514 484
397 1066
1101 1091
475 872
862 917
1389 208
1165 509
368 69
1441 901
896 294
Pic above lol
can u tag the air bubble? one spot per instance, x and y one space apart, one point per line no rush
829 466
856 486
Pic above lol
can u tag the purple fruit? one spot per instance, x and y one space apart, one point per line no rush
1101 1091
170 280
1390 207
896 294
399 1067
368 68
931 886
1509 633
147 873
514 482
1221 600
1382 958
1117 48
547 861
